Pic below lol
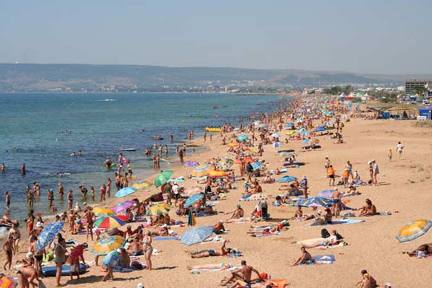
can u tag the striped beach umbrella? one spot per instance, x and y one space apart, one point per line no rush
99 211
107 222
106 245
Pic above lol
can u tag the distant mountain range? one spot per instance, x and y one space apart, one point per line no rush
98 78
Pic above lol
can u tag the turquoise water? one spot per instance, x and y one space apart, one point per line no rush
42 130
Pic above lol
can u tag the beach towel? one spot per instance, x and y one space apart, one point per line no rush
324 259
253 197
259 234
213 268
165 238
239 221
346 221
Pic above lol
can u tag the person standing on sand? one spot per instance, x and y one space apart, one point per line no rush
375 172
148 249
89 216
399 149
102 193
108 187
390 154
70 199
8 249
331 175
59 256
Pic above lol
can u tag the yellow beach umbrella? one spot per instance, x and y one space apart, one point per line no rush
414 230
158 209
98 211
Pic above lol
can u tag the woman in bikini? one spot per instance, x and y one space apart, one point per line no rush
211 252
148 249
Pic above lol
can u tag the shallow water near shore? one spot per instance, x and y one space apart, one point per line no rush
42 130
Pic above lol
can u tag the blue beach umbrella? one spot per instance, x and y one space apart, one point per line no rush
124 192
328 193
111 259
48 234
286 179
196 235
193 199
256 165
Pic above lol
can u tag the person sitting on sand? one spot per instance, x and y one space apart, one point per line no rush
219 228
367 281
305 258
368 210
124 260
238 213
298 213
268 179
135 248
423 250
323 220
244 274
211 252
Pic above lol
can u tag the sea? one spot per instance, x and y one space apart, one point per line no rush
43 130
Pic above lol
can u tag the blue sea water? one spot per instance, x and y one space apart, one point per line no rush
42 130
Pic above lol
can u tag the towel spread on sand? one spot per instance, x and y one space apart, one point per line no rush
164 238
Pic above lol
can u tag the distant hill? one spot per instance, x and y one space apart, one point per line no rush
93 78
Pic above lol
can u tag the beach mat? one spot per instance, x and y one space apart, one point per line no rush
165 238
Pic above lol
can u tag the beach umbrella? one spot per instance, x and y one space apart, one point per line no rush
275 135
98 211
158 209
315 201
291 132
111 259
48 234
414 230
286 179
328 193
216 173
106 245
141 185
7 282
306 141
125 192
162 178
196 235
193 199
243 138
191 164
123 206
233 144
108 222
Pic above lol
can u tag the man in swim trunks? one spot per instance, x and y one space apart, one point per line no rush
244 274
211 252
238 213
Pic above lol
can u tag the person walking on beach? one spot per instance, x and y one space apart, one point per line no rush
304 185
8 249
102 193
399 149
148 249
7 200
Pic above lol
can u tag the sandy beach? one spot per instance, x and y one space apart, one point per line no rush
403 190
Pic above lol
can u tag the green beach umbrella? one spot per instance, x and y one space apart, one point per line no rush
162 178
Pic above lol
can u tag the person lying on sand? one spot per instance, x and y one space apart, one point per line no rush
367 281
211 252
219 228
368 210
242 276
423 250
304 258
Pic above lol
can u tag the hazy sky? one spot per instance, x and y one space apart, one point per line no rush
376 36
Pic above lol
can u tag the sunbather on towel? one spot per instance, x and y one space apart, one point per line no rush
423 250
368 210
211 252
305 258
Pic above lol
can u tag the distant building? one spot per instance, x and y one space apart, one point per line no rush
412 85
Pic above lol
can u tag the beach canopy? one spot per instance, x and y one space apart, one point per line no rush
158 209
98 211
108 222
123 206
315 201
125 192
106 245
141 185
286 179
48 234
193 199
196 235
414 230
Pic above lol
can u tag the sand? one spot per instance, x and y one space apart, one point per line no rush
405 187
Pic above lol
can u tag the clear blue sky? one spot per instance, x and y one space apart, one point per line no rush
373 36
